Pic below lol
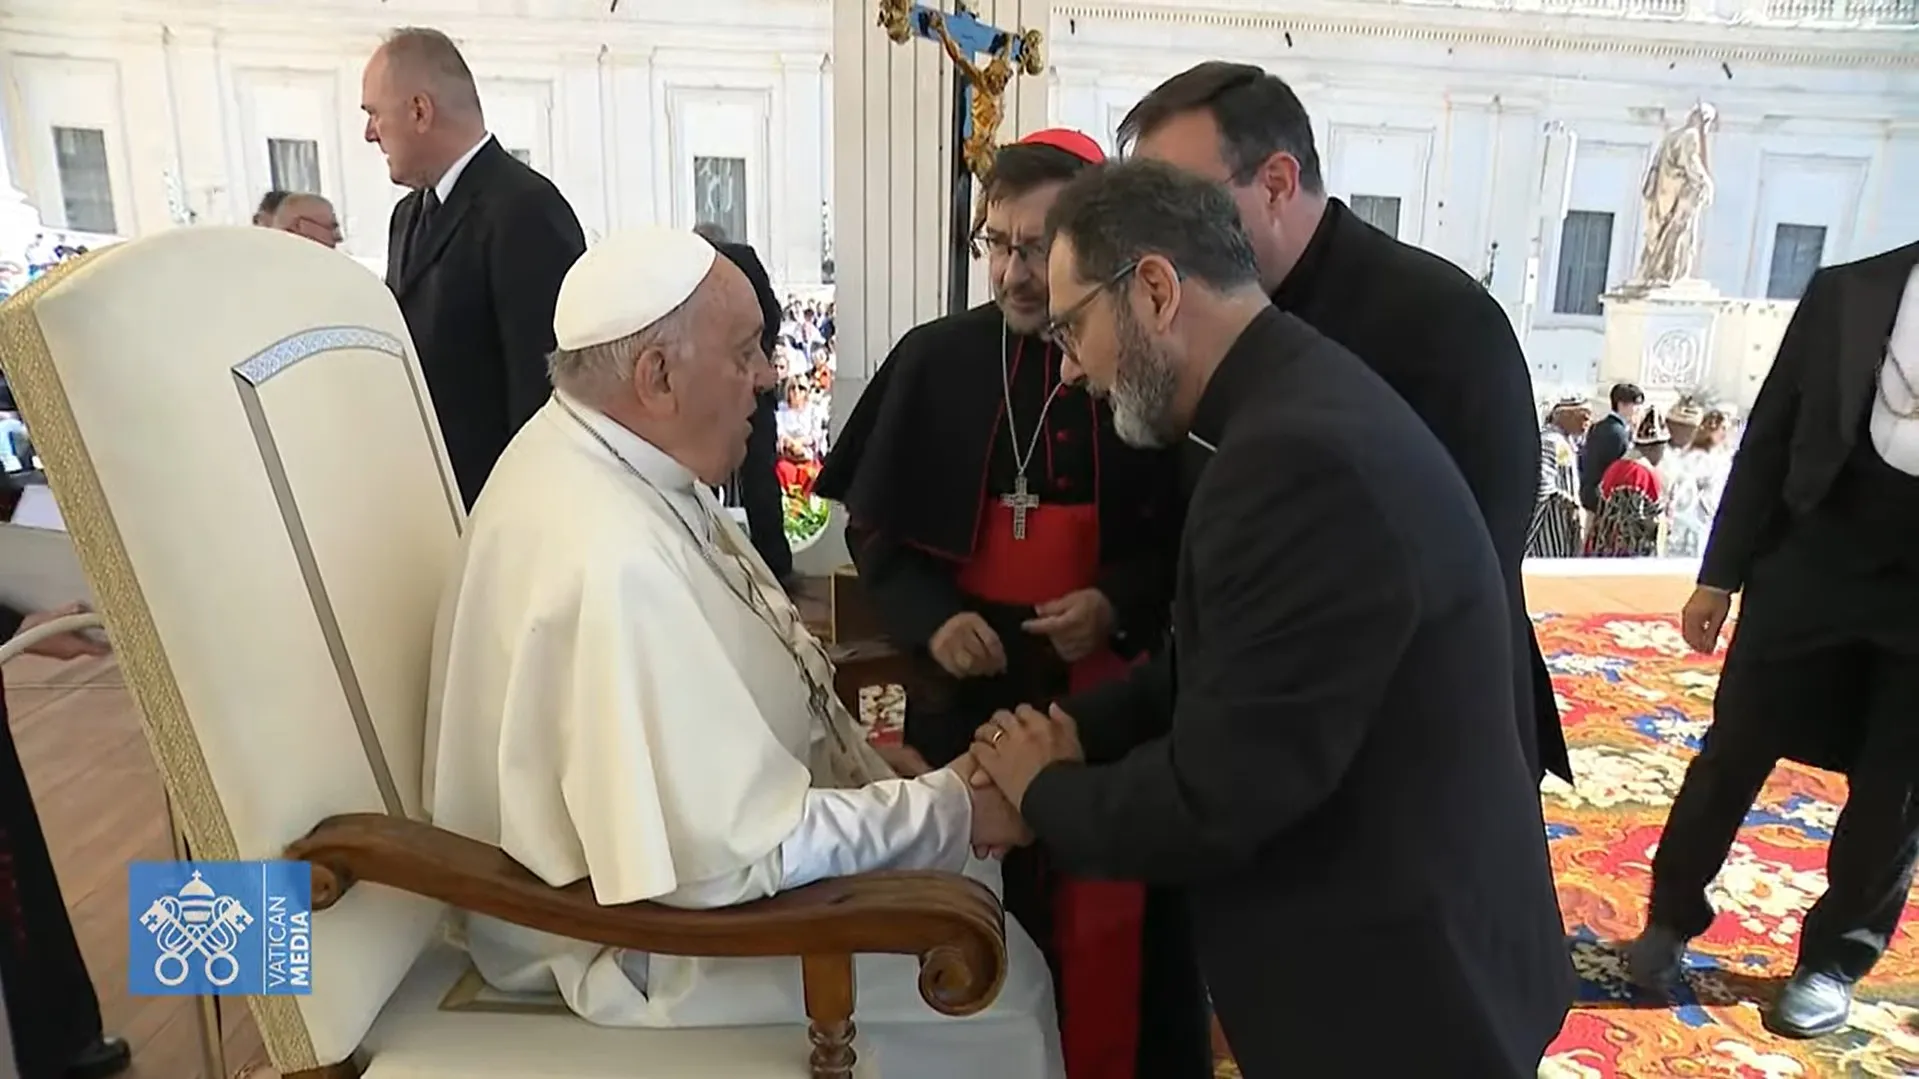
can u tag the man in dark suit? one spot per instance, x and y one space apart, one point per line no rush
1432 332
1325 759
1607 441
475 253
1818 531
759 481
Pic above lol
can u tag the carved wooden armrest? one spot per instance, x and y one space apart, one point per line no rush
952 924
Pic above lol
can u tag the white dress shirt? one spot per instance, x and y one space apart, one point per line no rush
452 175
1897 438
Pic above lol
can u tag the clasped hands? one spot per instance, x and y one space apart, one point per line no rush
1076 624
1009 751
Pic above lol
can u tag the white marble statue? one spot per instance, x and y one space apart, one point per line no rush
1677 190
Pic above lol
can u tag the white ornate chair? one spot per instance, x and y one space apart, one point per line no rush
272 607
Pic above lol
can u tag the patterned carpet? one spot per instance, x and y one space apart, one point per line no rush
1635 702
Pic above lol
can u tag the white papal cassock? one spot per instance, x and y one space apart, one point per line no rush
609 704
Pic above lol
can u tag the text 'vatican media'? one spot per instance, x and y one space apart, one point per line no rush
220 928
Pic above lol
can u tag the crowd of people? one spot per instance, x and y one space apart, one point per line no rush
1638 483
804 363
43 253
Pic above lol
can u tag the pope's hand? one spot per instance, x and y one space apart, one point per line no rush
979 785
967 647
1703 617
63 645
1077 623
997 826
1014 747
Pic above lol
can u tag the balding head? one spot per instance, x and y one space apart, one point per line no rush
421 103
310 216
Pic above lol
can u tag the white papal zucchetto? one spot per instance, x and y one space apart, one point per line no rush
627 282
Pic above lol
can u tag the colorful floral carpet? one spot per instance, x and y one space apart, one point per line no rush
1635 702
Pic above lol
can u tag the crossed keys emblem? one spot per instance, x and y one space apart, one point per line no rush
197 921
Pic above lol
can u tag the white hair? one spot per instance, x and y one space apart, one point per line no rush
596 372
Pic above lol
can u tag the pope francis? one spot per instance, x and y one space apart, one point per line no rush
622 693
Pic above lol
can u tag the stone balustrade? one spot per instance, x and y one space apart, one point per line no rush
1812 13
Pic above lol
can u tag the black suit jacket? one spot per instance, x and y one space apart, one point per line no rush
1807 417
1606 442
757 481
748 260
1446 346
478 297
1328 761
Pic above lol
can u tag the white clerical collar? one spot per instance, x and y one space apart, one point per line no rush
452 175
653 464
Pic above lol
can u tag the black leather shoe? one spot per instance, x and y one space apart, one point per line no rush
1811 1004
108 1055
1653 959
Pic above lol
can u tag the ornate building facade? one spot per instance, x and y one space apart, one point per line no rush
1510 136
1513 136
126 116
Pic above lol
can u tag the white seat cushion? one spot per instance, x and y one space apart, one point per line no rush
415 1038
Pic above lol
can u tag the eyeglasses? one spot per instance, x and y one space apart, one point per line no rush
1063 330
1032 252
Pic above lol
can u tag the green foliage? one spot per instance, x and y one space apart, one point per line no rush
805 516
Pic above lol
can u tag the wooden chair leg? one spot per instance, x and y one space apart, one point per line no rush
829 1014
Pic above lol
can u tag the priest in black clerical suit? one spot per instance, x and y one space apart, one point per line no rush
1325 760
1019 549
1432 332
1818 532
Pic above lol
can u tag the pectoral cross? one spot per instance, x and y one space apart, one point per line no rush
1019 502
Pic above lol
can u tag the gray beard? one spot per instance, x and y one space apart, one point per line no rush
1143 387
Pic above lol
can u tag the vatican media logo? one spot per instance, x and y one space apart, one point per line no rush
220 928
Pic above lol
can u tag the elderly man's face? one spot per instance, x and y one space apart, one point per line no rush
1103 341
715 381
395 121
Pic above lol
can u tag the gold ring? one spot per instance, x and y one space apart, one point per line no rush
998 733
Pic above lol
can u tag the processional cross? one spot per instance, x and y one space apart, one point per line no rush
979 103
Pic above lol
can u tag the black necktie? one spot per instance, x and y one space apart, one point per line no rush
422 220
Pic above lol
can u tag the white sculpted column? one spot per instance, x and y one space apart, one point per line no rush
892 162
803 75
